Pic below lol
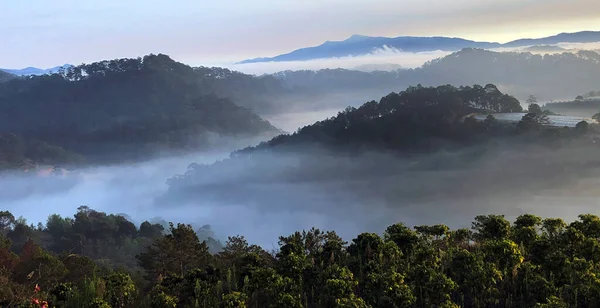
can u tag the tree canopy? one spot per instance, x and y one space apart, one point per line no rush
128 107
72 262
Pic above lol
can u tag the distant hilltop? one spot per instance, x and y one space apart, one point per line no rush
358 45
34 70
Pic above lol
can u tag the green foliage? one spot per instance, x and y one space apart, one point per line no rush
120 290
175 253
234 300
532 262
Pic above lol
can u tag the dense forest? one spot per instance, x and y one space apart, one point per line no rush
126 108
100 260
550 76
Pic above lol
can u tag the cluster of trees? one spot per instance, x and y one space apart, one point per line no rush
127 107
532 262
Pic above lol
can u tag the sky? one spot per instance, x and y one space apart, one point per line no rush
45 33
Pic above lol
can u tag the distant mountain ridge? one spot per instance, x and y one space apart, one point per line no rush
34 70
358 45
549 77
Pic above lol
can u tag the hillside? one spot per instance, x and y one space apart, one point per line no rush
4 76
358 45
549 77
262 94
125 107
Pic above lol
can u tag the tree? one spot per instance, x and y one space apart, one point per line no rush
120 290
533 121
7 221
234 300
175 253
525 229
339 289
581 128
531 99
490 122
491 227
534 108
579 98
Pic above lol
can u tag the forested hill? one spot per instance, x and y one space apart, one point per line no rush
549 77
125 106
402 120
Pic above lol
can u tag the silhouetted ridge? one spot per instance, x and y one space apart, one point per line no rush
358 45
125 107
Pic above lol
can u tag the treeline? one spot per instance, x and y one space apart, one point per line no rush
129 108
531 262
406 119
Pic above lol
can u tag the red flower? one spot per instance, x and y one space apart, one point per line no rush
35 301
44 304
37 288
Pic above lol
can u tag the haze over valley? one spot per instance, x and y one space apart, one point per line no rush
182 156
77 129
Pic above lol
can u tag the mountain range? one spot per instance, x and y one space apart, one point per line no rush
34 70
554 76
358 45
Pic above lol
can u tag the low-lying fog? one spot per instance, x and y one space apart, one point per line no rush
384 58
384 190
349 195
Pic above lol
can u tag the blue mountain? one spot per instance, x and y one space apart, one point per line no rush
357 45
34 70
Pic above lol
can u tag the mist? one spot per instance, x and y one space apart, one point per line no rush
279 193
282 192
381 59
384 58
